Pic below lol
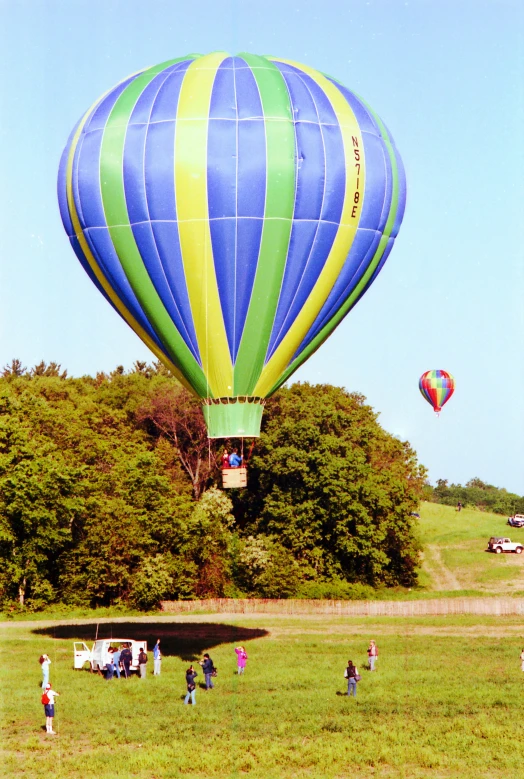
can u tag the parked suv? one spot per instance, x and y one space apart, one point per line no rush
498 545
516 521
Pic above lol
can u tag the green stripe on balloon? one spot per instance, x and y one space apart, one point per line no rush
279 208
117 218
353 298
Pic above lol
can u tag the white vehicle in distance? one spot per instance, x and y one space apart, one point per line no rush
498 545
98 656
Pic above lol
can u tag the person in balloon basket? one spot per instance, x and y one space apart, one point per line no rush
235 459
48 699
207 669
352 675
225 459
191 675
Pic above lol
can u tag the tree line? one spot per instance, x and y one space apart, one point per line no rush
476 494
110 494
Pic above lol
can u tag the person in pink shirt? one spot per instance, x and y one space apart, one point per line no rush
241 659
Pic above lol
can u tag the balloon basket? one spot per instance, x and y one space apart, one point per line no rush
233 417
234 478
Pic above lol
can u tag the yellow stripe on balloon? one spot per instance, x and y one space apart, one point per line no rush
93 264
351 210
191 136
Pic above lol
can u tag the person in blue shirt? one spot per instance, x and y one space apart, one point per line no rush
235 459
157 658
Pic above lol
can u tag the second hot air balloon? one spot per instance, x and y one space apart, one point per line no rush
232 210
436 387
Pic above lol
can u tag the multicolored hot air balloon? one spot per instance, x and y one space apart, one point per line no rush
232 210
437 387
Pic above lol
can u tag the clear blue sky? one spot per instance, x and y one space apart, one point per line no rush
446 76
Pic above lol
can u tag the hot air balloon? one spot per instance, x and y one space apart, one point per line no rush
437 387
232 210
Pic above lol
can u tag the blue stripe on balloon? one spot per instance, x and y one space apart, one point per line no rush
401 207
249 235
142 110
251 191
309 255
166 102
159 176
133 170
147 246
249 104
375 191
364 247
168 247
62 185
88 196
223 102
223 241
101 246
335 174
222 158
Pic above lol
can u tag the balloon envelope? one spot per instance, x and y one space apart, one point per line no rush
437 387
232 210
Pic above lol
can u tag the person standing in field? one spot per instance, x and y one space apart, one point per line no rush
157 658
116 661
126 659
241 659
207 670
48 699
191 674
522 660
110 665
45 662
372 655
351 674
142 660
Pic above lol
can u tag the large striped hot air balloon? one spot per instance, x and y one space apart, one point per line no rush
232 210
437 387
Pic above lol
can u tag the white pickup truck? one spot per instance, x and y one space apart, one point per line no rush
98 655
498 545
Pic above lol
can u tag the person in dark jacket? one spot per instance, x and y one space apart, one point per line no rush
191 675
207 668
142 660
126 658
350 673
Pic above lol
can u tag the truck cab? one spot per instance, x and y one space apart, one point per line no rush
98 656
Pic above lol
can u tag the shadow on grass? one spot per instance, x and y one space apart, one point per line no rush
181 639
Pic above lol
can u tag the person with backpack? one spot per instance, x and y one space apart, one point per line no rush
352 675
48 699
191 674
142 660
207 669
45 662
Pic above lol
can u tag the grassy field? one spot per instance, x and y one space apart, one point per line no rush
454 552
445 701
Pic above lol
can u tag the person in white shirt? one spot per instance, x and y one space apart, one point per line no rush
48 699
45 662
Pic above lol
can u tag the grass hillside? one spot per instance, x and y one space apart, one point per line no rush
455 556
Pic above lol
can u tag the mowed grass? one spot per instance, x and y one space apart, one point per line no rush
445 701
456 542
